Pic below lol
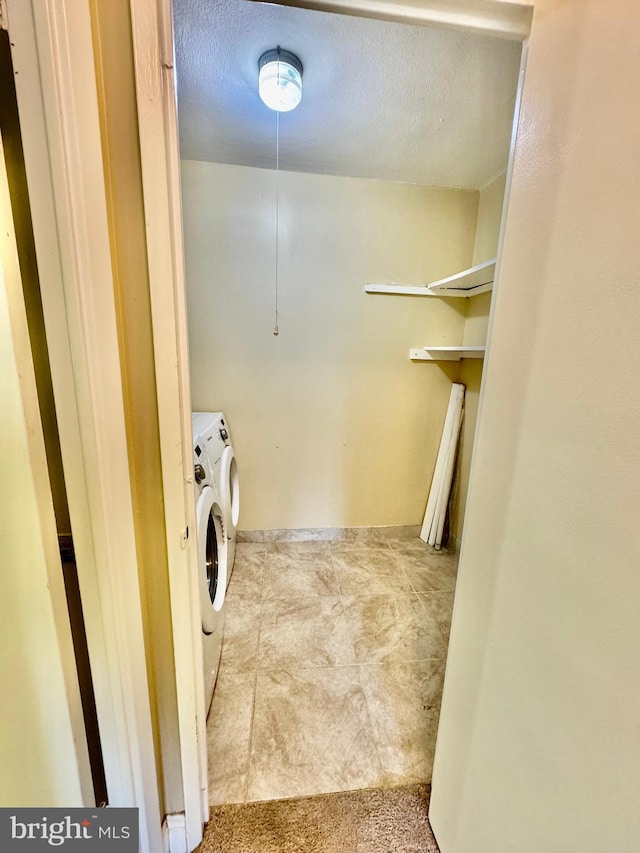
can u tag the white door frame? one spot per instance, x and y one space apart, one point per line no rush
503 18
152 30
52 53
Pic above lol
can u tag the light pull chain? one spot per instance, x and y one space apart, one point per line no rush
276 330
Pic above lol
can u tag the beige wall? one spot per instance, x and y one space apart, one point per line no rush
116 97
538 736
43 756
489 218
485 248
332 424
475 333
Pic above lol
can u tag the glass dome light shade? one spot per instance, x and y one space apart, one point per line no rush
280 80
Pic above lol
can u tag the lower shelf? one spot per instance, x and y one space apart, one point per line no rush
446 353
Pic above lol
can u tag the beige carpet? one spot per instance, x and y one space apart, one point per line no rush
390 820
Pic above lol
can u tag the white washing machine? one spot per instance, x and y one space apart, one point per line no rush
212 561
214 430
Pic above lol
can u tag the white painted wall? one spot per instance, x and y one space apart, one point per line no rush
538 740
43 755
332 424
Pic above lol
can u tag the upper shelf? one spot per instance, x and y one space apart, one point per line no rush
446 353
471 282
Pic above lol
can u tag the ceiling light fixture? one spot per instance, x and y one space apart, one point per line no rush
280 79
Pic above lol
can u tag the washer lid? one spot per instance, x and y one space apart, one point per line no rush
204 422
212 558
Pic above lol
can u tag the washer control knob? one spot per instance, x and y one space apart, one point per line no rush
224 435
200 473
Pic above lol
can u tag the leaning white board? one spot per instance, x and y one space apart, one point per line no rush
439 469
433 524
437 528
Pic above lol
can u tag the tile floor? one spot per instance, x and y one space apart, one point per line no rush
332 668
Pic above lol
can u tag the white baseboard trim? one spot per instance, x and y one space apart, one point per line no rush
329 534
174 833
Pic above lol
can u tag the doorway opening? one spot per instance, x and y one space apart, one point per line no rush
392 171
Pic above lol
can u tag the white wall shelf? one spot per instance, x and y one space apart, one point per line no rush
399 289
471 282
446 353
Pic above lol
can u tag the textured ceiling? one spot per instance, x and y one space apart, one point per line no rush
380 100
